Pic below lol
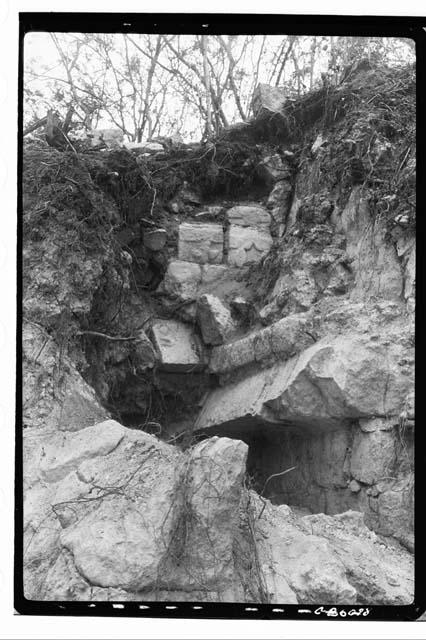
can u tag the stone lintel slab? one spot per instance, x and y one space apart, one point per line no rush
179 348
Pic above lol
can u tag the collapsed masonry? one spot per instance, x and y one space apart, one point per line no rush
282 318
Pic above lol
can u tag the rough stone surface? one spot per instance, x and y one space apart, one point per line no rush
188 281
273 169
178 346
267 100
119 518
375 262
247 244
295 290
375 571
332 560
68 406
182 279
279 201
406 250
249 216
202 243
66 452
373 455
277 342
140 520
343 378
215 320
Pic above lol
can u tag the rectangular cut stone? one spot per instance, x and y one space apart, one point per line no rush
249 216
280 341
247 244
179 348
182 279
202 243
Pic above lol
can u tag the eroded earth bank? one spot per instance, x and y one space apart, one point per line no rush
219 355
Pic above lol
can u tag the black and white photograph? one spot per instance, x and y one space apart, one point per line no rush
218 318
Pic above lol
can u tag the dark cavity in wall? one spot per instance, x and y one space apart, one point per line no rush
335 470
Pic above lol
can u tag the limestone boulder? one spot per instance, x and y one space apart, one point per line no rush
201 243
373 455
295 290
328 559
188 281
267 100
377 572
116 514
204 519
278 342
335 379
247 245
65 452
182 279
214 319
116 539
134 515
178 347
249 216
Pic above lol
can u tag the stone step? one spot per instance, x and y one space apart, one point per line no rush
178 346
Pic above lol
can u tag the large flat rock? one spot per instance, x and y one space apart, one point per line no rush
202 243
178 346
332 381
280 341
65 452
